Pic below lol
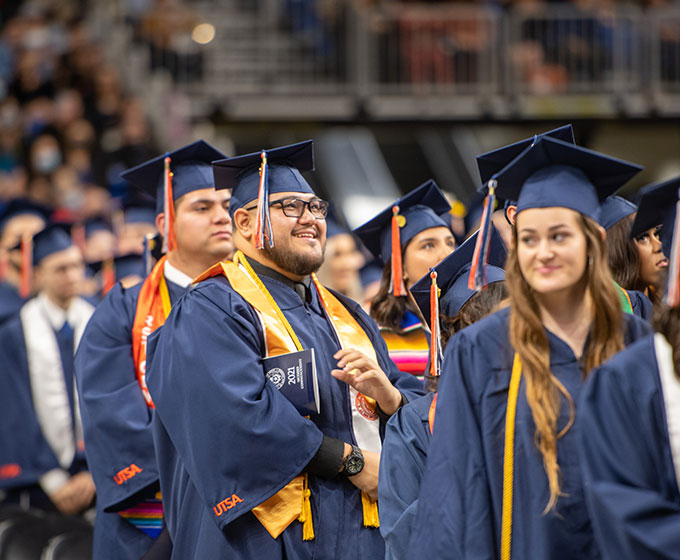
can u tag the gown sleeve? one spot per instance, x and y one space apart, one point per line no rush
237 437
25 454
454 504
116 420
402 463
630 487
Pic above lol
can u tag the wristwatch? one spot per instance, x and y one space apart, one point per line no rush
353 463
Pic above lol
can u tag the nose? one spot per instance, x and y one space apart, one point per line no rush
444 251
222 215
545 250
307 217
656 244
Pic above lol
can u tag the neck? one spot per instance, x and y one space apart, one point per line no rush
256 255
568 315
59 302
191 265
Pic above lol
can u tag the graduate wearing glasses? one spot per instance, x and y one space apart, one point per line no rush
244 472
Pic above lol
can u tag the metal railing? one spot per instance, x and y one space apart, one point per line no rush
299 57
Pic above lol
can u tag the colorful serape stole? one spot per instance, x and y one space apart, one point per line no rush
408 349
147 516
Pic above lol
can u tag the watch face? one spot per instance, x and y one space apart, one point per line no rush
354 464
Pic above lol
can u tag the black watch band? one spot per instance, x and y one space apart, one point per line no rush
353 464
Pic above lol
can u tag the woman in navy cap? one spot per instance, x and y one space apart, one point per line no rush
630 413
502 477
409 237
408 433
624 257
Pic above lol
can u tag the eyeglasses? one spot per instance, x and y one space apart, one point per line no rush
295 207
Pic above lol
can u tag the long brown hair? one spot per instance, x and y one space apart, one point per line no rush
667 322
622 255
386 309
527 335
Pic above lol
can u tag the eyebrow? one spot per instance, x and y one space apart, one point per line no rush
551 228
202 201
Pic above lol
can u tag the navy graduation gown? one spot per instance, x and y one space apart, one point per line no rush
631 488
641 305
25 454
116 421
461 493
402 464
221 430
10 301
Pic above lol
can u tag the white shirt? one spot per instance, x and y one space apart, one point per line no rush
176 276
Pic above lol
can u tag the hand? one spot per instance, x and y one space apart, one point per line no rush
367 479
362 373
75 495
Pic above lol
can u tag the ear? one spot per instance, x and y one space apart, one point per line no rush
244 222
603 233
160 222
510 214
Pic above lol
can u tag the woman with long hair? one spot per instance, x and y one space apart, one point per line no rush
408 433
409 237
624 255
502 477
630 430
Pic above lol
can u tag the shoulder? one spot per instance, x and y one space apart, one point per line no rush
119 305
635 327
491 332
632 370
642 306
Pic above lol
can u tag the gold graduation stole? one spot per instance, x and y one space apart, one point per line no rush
508 459
293 501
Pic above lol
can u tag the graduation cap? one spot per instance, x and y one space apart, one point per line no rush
171 176
552 173
614 209
257 175
387 233
660 204
95 225
492 162
21 207
116 269
452 273
53 239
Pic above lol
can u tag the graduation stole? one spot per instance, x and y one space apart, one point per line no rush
153 307
670 388
293 501
508 459
625 299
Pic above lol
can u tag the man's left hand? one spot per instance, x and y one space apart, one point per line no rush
365 375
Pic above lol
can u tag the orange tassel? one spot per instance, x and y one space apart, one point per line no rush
398 287
435 339
108 276
26 267
263 226
169 240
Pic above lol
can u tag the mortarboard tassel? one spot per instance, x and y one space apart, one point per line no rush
108 276
169 241
435 334
263 224
147 258
673 290
480 258
397 281
26 266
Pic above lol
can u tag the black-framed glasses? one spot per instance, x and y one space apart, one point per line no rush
293 207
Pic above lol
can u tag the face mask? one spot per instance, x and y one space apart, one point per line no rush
46 161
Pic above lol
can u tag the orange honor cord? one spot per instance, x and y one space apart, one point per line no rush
398 287
108 276
435 338
169 241
263 226
673 291
26 266
480 258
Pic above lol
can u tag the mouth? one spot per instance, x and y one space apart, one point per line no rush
545 270
663 263
306 234
222 234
